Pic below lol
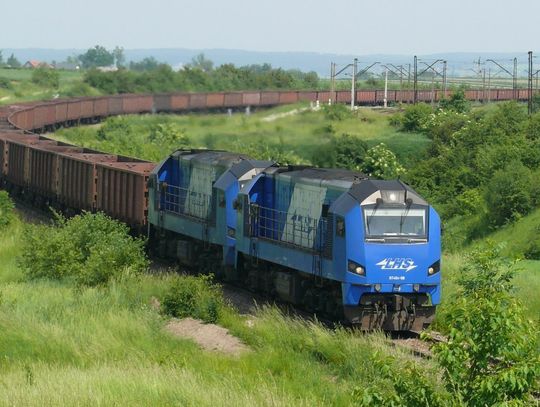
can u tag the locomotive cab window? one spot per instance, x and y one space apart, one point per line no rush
396 223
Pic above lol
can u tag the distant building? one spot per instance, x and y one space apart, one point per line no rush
111 68
33 64
68 66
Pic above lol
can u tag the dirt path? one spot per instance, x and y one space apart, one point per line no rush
208 336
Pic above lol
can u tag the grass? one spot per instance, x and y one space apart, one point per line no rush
299 134
107 346
23 90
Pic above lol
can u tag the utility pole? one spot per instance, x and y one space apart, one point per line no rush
484 85
415 80
530 84
432 88
513 75
515 79
332 80
479 73
489 85
386 88
353 81
444 78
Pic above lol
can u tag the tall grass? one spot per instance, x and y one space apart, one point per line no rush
66 345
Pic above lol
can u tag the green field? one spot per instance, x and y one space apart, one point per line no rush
299 133
22 89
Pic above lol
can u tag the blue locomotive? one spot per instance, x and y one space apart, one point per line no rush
331 241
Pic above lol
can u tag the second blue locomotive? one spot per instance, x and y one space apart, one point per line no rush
332 241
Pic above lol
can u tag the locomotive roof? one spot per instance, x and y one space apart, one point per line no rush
325 174
369 190
211 157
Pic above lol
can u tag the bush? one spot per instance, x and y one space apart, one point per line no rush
457 102
532 250
197 297
6 210
5 83
415 116
336 112
170 135
345 151
90 249
79 89
406 385
491 354
46 77
511 193
381 162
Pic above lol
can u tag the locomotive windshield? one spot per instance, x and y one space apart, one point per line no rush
408 223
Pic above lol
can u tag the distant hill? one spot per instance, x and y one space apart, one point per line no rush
459 64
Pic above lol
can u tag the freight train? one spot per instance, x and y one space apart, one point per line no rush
332 241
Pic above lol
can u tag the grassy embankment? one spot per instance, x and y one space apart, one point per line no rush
107 346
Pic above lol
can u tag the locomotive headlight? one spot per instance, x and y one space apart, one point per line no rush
356 268
434 268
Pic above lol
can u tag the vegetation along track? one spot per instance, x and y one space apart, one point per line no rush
34 184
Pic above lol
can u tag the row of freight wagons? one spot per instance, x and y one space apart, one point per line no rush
75 177
40 115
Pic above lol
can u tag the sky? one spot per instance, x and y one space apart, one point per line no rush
356 27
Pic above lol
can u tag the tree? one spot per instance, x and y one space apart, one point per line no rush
147 64
119 57
1 58
202 63
491 356
73 59
97 56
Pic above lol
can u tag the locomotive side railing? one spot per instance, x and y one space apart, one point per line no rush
185 201
289 228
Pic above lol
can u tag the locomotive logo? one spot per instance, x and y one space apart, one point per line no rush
397 264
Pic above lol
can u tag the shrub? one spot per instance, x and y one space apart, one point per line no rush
5 83
415 116
336 111
381 162
79 89
532 249
457 102
491 353
345 151
510 194
170 135
90 249
407 385
46 77
194 296
6 209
